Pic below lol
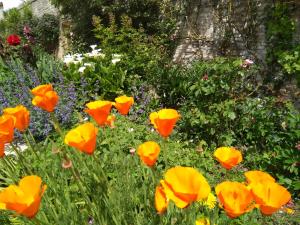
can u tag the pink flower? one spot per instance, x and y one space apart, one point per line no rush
247 63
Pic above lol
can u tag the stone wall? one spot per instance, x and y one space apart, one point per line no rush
1 11
213 28
41 7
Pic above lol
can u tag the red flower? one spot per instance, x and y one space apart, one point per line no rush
13 40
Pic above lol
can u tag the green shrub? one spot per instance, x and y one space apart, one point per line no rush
143 54
290 61
222 104
144 13
42 31
117 67
46 31
280 39
14 21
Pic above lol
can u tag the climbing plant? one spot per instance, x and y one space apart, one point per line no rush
280 42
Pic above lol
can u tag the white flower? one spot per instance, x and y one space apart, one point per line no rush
75 62
114 61
78 55
79 59
22 147
87 64
93 47
130 130
68 59
95 53
81 69
116 56
9 151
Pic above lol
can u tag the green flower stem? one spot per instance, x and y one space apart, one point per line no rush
75 172
9 163
39 222
46 175
145 189
56 124
153 175
165 152
101 169
226 176
54 213
104 133
31 136
79 183
21 158
30 146
10 168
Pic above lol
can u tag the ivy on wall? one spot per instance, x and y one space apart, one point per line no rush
282 49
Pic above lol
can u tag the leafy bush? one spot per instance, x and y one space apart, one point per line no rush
14 21
116 67
142 55
280 32
223 104
290 61
101 73
46 31
144 13
43 31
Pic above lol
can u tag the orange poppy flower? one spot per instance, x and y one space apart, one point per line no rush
99 110
164 121
228 157
45 97
123 104
2 148
149 152
7 124
24 198
184 185
270 196
83 138
21 116
110 121
257 176
161 202
235 198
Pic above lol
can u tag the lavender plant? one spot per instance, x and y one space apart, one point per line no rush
16 81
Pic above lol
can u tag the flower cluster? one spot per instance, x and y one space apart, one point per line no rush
83 137
86 60
261 191
18 118
181 185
